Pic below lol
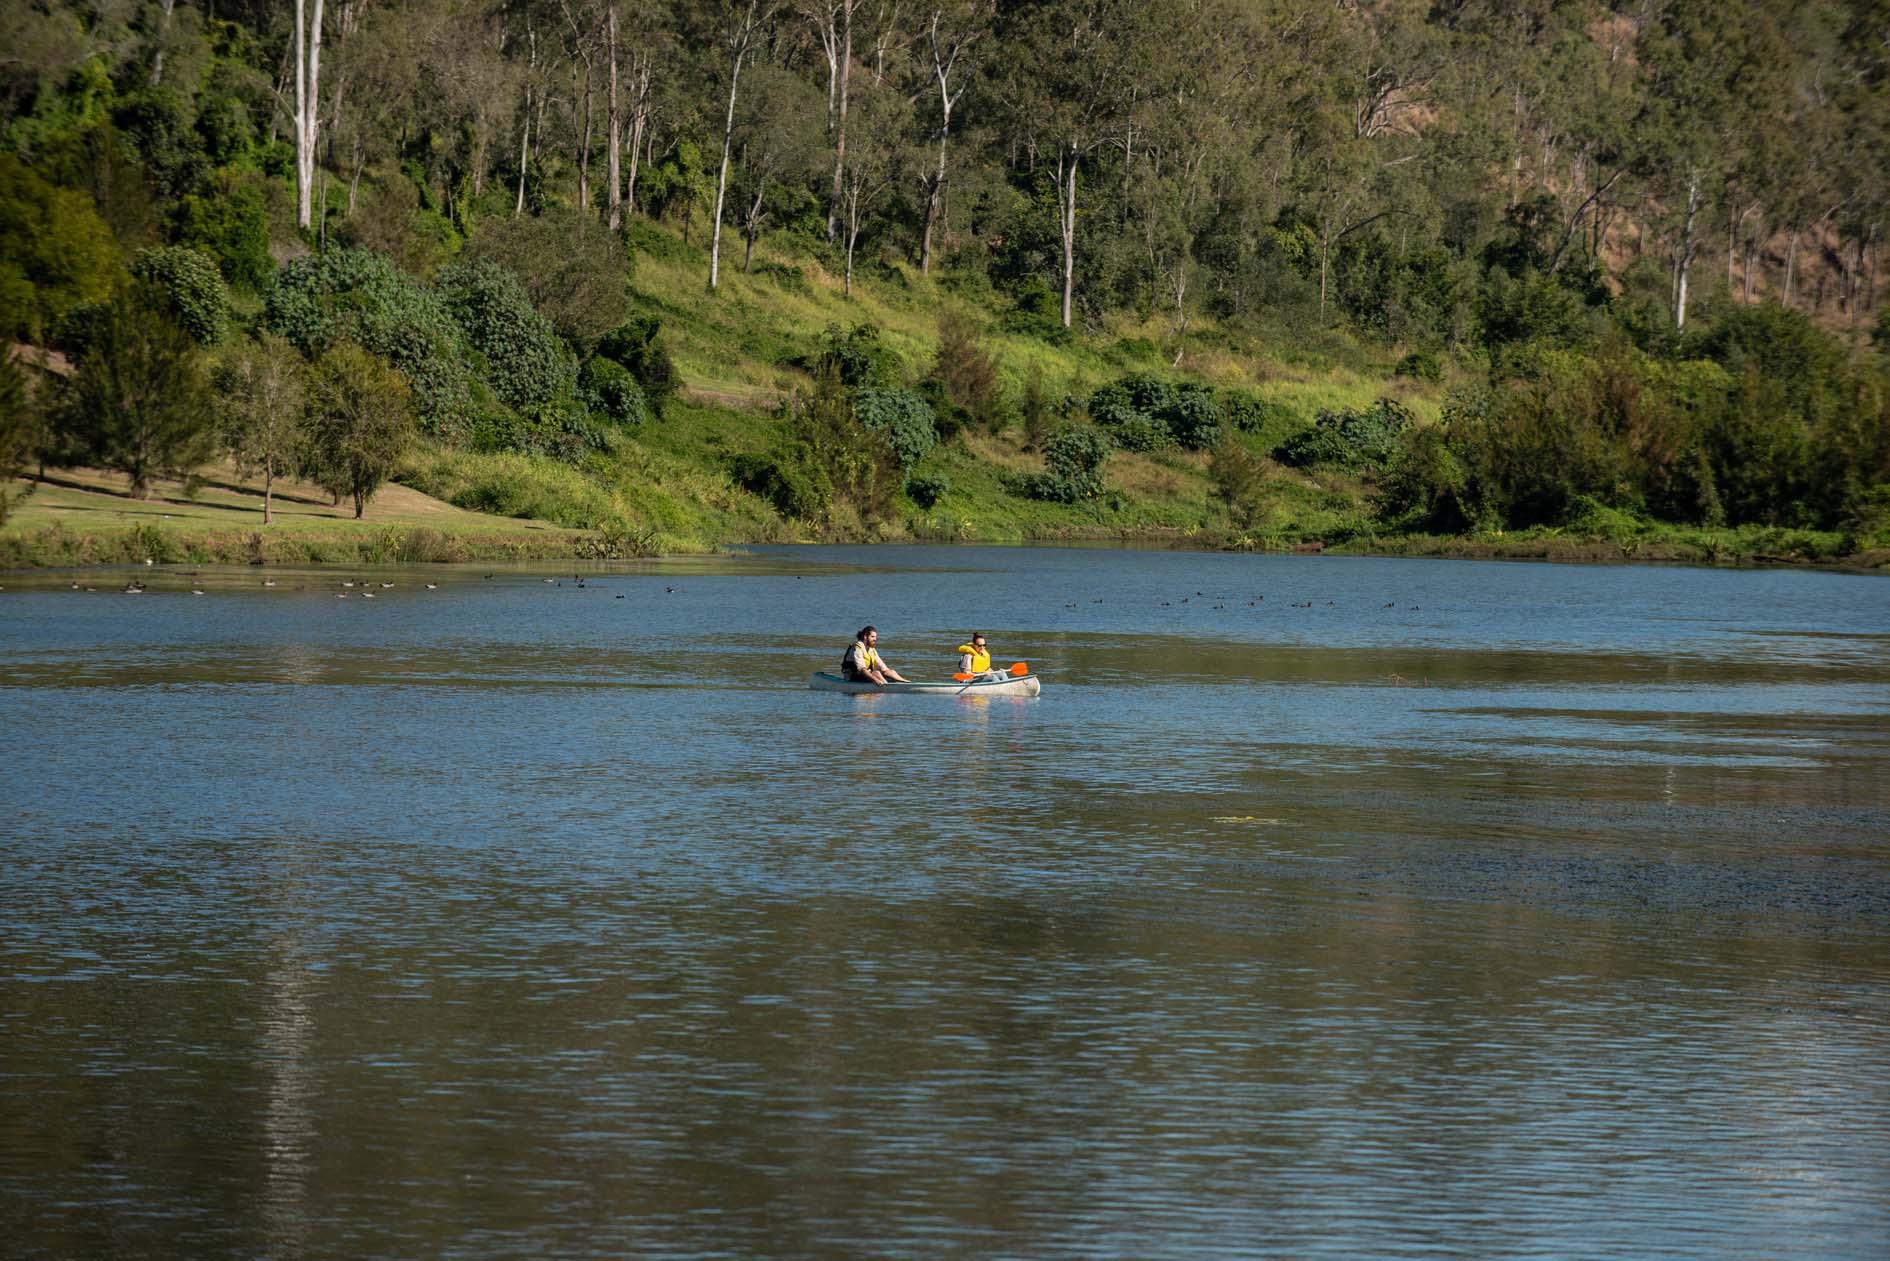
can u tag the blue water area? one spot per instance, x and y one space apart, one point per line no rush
1318 907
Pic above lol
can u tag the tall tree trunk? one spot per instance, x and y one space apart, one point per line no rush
613 160
1791 264
738 48
164 27
639 121
840 116
269 485
1068 158
525 132
1684 255
308 63
584 149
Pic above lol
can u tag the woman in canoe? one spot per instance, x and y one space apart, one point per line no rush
974 659
863 664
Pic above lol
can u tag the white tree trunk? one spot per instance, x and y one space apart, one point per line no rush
728 142
1067 160
613 161
308 64
1684 255
840 116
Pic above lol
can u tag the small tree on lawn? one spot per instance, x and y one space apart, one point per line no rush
360 422
139 402
21 430
262 386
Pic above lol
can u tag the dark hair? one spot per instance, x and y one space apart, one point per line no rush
976 636
864 630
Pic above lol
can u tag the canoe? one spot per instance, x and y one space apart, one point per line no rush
1026 685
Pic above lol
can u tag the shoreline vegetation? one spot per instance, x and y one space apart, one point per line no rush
1047 272
79 518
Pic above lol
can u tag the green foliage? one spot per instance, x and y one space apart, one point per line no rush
55 252
139 402
967 373
189 279
902 418
1072 460
1269 421
526 362
262 393
22 430
634 345
608 389
1239 478
360 422
927 489
572 269
1194 417
788 478
855 357
361 297
225 216
1366 440
1419 365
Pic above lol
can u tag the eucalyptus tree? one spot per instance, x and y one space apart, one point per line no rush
736 25
779 145
306 47
951 31
832 23
261 392
873 164
1065 88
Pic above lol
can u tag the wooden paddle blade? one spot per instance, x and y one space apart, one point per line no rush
962 677
1020 669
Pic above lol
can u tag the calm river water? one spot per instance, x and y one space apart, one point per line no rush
1318 907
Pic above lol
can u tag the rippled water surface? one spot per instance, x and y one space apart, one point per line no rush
1318 907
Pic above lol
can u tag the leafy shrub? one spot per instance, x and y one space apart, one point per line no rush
1419 365
967 371
608 389
1072 460
1270 420
634 345
1136 432
927 489
571 268
787 479
55 252
190 281
1194 417
855 357
527 363
361 296
791 279
1365 439
226 217
902 418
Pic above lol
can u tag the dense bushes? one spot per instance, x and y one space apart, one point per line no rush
1783 434
902 418
1072 460
1362 440
360 296
189 280
635 347
1144 413
526 362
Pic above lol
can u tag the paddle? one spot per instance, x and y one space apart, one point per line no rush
1020 669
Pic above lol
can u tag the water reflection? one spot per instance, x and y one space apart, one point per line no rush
513 917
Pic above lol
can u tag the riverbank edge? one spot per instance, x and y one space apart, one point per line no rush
355 543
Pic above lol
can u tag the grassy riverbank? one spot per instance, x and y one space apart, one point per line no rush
667 487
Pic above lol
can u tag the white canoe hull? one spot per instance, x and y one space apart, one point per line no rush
1027 685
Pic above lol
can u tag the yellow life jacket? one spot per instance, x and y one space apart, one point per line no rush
869 660
980 658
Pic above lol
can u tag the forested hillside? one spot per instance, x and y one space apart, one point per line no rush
680 271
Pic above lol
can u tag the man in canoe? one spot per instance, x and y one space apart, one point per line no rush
974 659
863 664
